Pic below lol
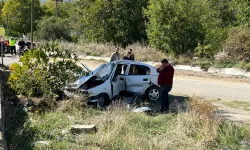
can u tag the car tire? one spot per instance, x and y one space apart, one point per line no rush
103 101
153 93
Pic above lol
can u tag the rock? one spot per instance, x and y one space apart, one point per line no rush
42 143
78 129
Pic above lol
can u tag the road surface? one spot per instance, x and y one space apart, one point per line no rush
186 85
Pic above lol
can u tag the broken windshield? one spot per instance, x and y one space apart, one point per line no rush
105 71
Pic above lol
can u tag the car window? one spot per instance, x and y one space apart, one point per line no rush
120 69
105 71
139 70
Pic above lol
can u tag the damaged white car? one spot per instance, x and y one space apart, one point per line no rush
115 79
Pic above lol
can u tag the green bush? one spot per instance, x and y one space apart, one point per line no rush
203 51
52 28
41 75
205 65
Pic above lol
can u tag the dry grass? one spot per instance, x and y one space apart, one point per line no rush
142 52
119 128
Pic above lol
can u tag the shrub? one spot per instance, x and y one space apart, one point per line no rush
41 75
222 57
52 28
205 65
203 51
237 44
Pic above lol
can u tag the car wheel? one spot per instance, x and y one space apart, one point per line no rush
103 101
153 93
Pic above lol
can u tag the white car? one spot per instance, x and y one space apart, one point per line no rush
111 80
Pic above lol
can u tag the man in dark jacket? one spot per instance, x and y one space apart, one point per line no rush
165 80
132 54
128 56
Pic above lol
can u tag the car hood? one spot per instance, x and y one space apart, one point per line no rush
81 80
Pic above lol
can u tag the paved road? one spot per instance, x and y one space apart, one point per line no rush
8 60
185 85
211 88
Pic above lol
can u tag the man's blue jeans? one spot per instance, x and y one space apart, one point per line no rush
164 98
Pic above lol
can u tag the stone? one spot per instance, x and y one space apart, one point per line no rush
78 129
42 143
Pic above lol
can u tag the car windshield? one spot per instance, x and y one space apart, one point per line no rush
105 71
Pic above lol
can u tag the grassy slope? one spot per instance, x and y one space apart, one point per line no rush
121 129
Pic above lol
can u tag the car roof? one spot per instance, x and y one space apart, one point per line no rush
132 62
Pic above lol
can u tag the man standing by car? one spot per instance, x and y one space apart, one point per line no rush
115 56
12 46
165 80
132 54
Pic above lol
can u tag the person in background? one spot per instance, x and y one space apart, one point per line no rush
115 56
165 80
12 46
132 54
21 43
128 56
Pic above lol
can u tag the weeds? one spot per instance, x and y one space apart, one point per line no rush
118 128
238 104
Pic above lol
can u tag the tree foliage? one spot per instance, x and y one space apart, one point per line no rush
40 74
19 15
117 21
52 28
193 27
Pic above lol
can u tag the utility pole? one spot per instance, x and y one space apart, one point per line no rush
32 5
7 26
56 8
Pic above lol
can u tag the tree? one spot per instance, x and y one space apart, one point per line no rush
117 21
57 8
19 14
52 28
174 25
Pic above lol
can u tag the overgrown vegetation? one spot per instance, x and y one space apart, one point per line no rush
44 71
238 104
208 29
197 128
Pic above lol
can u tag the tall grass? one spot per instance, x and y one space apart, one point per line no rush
142 52
118 128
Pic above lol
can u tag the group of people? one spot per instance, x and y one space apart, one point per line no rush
10 45
116 55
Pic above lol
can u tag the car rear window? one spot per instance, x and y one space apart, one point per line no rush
139 70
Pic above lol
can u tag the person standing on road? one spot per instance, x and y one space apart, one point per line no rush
128 56
132 54
12 46
165 80
115 56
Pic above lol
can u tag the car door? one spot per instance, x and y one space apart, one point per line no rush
118 80
138 78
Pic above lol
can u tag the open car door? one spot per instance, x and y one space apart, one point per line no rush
118 80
